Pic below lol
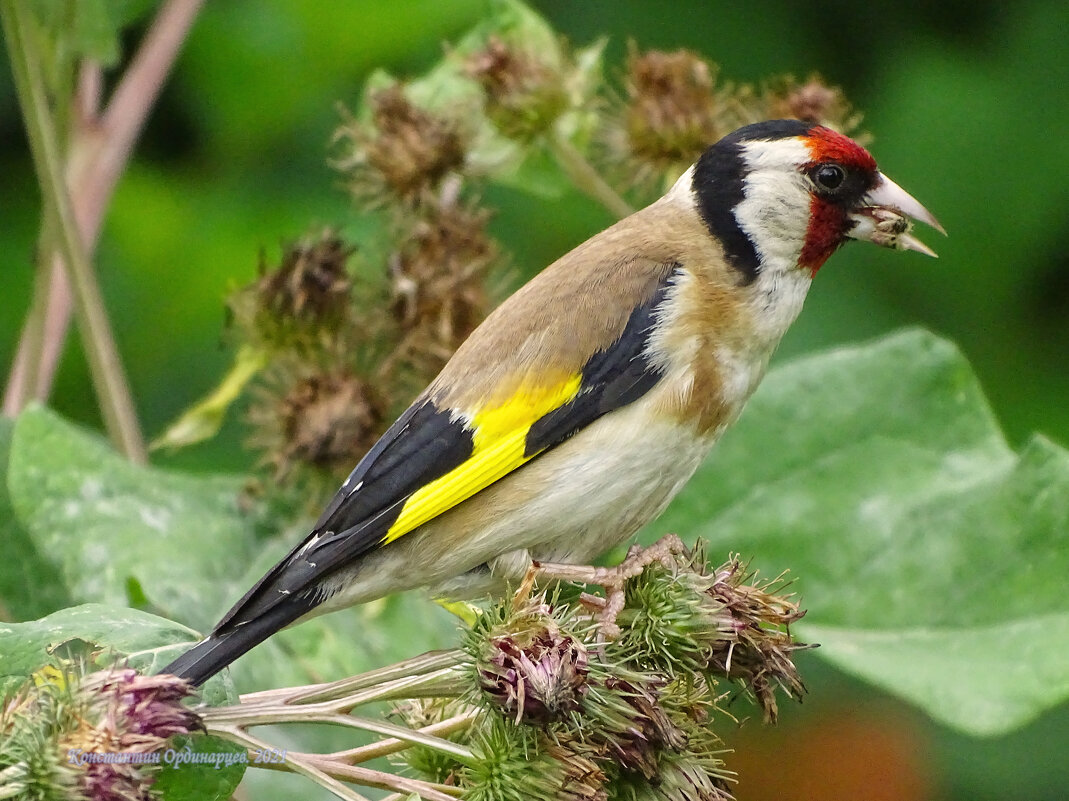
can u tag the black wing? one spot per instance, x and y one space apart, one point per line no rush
423 444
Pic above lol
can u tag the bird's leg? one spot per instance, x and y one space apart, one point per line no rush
638 558
613 579
523 592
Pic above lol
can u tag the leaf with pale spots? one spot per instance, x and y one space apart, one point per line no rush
142 641
122 534
30 584
931 556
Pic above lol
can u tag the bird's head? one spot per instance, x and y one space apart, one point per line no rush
785 194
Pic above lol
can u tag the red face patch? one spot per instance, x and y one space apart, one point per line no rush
827 145
828 222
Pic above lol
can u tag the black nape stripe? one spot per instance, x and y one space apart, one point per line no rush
718 184
611 378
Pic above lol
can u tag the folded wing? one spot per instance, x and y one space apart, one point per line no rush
433 458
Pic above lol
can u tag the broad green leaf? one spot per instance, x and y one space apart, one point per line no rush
121 533
146 642
990 701
142 641
931 557
30 584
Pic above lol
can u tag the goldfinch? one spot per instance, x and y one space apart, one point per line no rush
582 405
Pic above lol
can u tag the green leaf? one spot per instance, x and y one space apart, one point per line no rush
931 557
186 779
145 641
30 585
182 539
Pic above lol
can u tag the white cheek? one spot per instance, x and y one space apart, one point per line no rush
775 211
775 220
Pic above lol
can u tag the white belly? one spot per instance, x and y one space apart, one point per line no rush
616 479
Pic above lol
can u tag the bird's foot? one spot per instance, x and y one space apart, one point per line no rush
611 579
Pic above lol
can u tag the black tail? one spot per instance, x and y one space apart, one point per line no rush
226 644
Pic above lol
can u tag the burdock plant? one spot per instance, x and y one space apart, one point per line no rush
548 699
69 735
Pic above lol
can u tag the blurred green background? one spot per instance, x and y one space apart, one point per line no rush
967 102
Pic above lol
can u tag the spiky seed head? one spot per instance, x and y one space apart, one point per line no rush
403 154
311 283
328 420
672 107
524 93
301 300
689 618
681 777
61 712
310 419
438 283
813 101
584 777
535 675
430 763
758 647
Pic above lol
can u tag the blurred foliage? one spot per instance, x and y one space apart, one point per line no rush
891 494
963 100
146 642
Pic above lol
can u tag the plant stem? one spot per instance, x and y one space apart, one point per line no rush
27 368
110 383
588 179
100 148
223 718
129 105
332 691
293 764
392 745
326 771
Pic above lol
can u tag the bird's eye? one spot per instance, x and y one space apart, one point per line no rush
829 176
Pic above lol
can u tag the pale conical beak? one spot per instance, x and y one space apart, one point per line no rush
883 217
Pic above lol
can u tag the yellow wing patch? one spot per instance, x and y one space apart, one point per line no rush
500 437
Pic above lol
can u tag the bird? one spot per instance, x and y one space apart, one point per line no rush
584 402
